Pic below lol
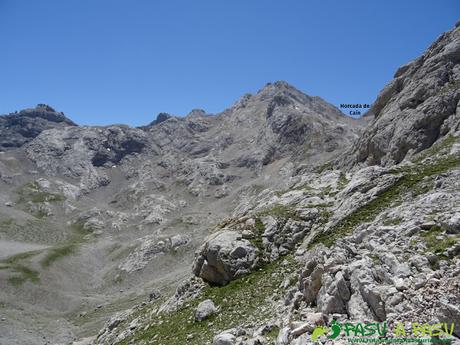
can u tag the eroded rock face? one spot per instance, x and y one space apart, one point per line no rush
78 152
223 257
150 248
19 128
416 108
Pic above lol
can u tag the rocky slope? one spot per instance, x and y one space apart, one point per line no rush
94 219
373 236
384 247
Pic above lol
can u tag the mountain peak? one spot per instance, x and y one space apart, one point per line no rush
280 87
46 107
196 113
18 128
45 112
161 117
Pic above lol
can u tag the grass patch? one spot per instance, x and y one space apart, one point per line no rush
280 211
241 301
259 230
15 259
23 273
272 334
68 247
323 167
438 246
442 146
32 192
343 181
6 222
392 221
406 184
57 253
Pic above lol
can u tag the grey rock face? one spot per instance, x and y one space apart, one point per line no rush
224 339
78 152
416 108
450 314
223 257
16 129
150 248
452 225
204 310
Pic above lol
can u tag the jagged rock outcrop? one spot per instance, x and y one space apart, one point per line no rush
79 152
419 106
18 128
224 257
160 118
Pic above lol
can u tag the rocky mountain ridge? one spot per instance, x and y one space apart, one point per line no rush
89 211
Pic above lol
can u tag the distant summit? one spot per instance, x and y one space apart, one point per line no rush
18 128
161 117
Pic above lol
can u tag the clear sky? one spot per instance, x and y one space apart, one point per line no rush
113 61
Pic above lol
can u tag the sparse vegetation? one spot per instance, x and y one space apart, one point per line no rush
243 299
406 183
323 167
22 272
438 147
25 274
273 333
305 187
259 230
57 253
375 259
437 242
343 181
6 222
392 221
68 247
280 211
33 199
32 192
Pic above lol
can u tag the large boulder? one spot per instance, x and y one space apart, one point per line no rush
224 339
204 310
450 314
223 257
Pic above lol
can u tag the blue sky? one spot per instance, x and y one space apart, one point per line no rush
113 61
